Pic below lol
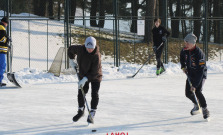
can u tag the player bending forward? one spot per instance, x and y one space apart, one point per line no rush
89 63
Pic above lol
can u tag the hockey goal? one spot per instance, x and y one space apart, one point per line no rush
58 66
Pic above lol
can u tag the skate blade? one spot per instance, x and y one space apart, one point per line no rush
90 124
207 119
195 112
163 73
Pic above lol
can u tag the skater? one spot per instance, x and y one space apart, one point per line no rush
90 72
160 35
193 64
4 39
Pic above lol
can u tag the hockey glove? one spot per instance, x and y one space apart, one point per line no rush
72 63
154 49
164 39
193 89
9 48
184 70
9 39
82 82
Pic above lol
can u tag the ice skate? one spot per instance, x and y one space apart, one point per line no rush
162 69
91 119
2 84
158 71
206 114
196 110
80 113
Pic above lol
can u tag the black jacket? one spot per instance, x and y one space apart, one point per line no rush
89 63
194 62
158 33
3 39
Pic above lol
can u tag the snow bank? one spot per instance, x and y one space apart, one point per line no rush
36 76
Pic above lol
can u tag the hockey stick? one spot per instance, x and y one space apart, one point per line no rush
144 63
195 97
11 75
159 46
82 91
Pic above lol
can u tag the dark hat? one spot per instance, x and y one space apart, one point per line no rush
5 19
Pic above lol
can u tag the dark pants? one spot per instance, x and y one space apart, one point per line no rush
158 57
198 92
94 94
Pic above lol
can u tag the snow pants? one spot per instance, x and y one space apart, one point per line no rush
94 94
198 92
2 65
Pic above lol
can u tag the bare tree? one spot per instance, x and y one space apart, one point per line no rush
73 5
50 9
39 7
197 14
93 13
134 7
150 13
174 18
101 14
216 24
59 9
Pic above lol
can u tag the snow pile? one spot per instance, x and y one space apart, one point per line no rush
36 76
215 67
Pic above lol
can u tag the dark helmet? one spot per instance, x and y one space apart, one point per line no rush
5 19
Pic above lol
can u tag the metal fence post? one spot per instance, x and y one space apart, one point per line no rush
116 33
66 32
47 53
7 14
165 18
205 29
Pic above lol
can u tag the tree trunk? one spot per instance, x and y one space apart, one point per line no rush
36 7
93 13
183 23
134 8
93 22
39 7
73 5
216 25
101 22
160 8
150 12
175 23
42 8
59 10
50 9
221 24
197 13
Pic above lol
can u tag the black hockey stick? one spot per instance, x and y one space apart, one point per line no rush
195 97
144 63
82 91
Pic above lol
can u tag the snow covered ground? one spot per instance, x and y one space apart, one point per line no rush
144 105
